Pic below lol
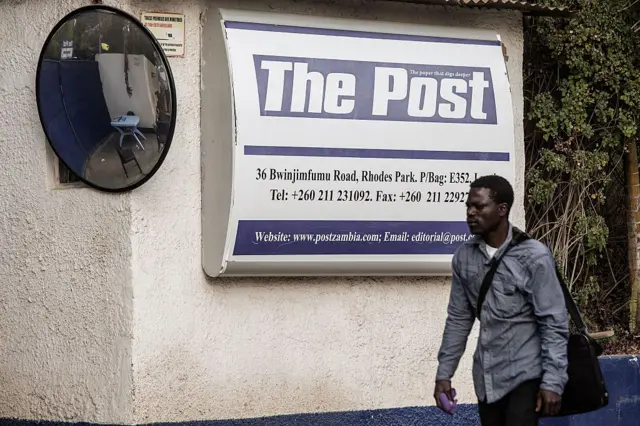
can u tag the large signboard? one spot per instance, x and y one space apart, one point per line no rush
354 149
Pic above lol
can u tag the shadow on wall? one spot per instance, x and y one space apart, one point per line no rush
622 374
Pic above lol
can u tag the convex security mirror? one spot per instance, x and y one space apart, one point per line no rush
106 98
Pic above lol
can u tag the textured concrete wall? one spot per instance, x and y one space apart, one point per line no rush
106 315
65 284
237 348
105 312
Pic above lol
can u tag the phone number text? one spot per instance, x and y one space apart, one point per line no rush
368 196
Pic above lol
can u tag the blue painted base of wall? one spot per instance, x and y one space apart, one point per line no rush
622 375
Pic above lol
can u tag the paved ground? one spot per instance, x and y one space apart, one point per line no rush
105 168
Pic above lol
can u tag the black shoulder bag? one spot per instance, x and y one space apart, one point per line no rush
586 390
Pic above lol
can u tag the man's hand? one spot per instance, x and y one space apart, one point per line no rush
549 402
442 386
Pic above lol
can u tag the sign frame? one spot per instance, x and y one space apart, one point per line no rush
224 142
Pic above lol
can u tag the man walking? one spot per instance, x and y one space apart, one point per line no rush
520 364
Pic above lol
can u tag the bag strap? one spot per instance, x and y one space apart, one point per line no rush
517 236
574 312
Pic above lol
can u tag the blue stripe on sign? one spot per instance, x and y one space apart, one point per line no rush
332 237
295 151
355 34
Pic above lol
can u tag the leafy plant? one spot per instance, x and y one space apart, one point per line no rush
582 104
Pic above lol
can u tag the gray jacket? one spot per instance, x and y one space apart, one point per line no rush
524 323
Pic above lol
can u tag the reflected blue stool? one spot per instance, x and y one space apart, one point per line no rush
128 125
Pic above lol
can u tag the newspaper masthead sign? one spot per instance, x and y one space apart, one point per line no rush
352 143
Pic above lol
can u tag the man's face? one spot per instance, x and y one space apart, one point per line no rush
483 214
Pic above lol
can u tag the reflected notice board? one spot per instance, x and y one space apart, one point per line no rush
353 144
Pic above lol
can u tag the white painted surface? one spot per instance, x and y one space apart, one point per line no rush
65 273
143 82
255 347
85 275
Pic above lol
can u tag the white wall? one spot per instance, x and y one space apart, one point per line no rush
85 275
65 257
144 100
215 349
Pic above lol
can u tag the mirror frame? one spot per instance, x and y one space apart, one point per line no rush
172 88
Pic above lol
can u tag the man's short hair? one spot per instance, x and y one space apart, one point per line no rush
500 190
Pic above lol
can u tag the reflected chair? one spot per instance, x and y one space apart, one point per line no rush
126 156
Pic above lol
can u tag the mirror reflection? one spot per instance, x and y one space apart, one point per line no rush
106 98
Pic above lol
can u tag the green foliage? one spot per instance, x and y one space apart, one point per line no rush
582 89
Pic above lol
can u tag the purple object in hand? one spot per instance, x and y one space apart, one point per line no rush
449 406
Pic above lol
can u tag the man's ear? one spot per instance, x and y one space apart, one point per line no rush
503 210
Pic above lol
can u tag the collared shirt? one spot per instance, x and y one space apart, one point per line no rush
524 323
